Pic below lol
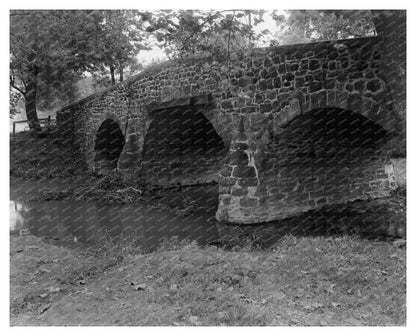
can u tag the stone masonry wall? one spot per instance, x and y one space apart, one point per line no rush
326 157
391 30
254 97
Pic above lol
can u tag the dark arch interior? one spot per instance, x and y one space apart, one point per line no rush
182 145
332 136
326 156
108 145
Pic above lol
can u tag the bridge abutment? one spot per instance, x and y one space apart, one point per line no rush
131 155
327 156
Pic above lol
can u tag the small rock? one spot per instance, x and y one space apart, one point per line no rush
399 243
44 295
248 300
20 249
44 308
24 232
53 289
353 321
294 320
194 320
139 287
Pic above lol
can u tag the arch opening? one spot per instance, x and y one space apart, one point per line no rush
109 144
326 156
330 134
182 146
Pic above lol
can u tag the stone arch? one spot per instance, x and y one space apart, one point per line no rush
108 145
182 145
116 119
324 156
336 127
377 112
221 125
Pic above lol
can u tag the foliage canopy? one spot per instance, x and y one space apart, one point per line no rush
52 50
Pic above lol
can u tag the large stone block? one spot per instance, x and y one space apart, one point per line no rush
248 202
244 172
239 191
226 171
237 157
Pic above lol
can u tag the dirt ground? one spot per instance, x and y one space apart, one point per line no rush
300 281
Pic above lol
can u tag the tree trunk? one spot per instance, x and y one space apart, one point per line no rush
30 102
121 74
113 77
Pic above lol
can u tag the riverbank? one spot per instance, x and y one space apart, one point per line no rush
319 281
319 268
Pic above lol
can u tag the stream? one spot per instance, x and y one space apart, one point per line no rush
163 217
150 223
91 222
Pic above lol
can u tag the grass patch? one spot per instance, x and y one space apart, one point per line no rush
302 281
43 158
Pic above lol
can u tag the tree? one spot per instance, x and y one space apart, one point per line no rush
302 26
50 50
119 39
14 100
47 48
102 79
186 32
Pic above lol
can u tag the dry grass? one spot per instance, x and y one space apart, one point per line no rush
300 281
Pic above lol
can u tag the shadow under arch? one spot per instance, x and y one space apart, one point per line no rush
109 144
330 132
182 146
378 112
322 157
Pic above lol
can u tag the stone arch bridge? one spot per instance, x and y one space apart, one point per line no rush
282 130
